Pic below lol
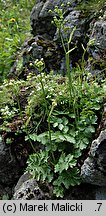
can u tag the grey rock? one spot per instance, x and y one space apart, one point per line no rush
41 17
28 189
91 175
50 5
39 24
71 21
9 167
22 179
100 193
97 51
36 48
42 27
99 34
54 57
94 168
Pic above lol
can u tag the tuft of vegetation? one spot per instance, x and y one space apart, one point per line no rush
47 122
14 29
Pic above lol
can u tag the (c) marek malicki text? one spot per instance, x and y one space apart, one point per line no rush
67 207
54 207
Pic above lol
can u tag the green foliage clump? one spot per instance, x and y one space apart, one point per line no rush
53 126
14 29
64 141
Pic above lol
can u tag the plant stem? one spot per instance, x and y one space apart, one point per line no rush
50 131
48 114
29 139
20 112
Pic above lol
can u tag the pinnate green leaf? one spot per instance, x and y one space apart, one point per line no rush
69 139
65 162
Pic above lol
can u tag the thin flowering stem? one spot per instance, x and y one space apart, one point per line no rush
40 65
60 24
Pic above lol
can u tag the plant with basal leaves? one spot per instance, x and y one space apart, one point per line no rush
67 141
69 129
51 121
57 161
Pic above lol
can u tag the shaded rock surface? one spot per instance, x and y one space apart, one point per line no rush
101 193
28 189
9 170
9 167
41 17
41 24
87 27
97 51
12 163
5 192
94 168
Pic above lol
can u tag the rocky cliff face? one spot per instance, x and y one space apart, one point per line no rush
98 50
87 27
45 41
12 164
94 168
41 17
